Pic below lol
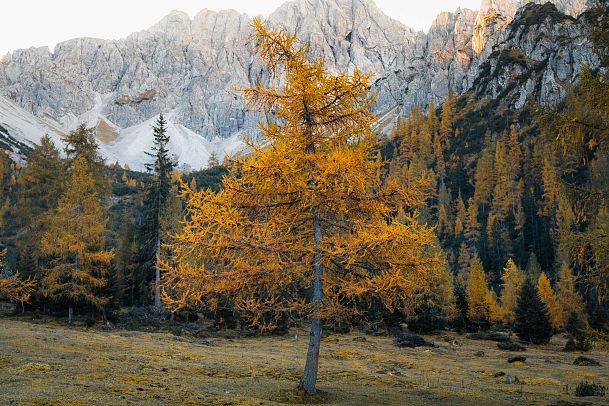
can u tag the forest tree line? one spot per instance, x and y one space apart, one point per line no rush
79 232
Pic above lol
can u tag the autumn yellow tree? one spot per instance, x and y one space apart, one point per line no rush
513 279
40 187
13 288
304 225
74 240
549 298
566 295
482 304
448 116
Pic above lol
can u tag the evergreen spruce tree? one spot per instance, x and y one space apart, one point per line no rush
577 327
533 267
157 195
75 243
461 319
532 317
171 218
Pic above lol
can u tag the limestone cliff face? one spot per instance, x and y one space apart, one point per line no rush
571 7
187 67
536 56
449 52
190 68
355 33
494 15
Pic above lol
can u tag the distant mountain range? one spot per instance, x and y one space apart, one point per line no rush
188 69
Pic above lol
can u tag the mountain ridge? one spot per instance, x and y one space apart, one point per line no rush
189 68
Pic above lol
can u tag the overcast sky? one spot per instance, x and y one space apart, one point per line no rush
28 23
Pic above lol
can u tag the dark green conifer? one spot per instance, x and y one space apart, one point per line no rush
157 194
532 317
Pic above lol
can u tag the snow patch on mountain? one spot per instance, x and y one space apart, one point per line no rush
189 149
24 127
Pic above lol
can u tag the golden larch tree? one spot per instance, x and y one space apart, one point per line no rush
13 288
304 225
549 298
569 300
75 242
481 301
513 279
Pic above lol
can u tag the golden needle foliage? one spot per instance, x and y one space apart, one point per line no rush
16 290
567 296
482 302
13 288
513 279
253 243
549 298
75 242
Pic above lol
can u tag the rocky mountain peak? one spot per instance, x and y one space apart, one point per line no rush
506 8
189 68
570 7
176 22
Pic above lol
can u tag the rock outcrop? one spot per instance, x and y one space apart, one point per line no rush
537 55
190 68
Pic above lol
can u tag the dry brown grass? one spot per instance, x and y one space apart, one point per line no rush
51 364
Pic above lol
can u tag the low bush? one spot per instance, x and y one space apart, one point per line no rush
586 388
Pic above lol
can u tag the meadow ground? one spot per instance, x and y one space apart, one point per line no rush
53 364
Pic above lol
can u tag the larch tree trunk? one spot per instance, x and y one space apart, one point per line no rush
309 377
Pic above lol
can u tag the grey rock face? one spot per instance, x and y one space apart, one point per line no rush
187 67
450 52
571 7
494 15
191 68
525 61
509 8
